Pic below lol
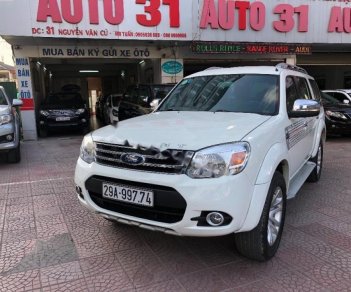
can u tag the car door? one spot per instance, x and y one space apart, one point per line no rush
316 96
299 140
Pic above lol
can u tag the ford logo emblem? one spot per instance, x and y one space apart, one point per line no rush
133 159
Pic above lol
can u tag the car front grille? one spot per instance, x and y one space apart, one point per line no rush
153 160
169 205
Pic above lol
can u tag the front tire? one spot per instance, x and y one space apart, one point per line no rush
318 160
14 155
262 243
43 132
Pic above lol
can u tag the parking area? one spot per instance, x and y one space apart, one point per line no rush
50 243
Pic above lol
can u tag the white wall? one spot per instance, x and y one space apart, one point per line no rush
6 53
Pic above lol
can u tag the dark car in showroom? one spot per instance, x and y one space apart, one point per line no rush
63 110
142 99
99 106
110 111
342 95
337 115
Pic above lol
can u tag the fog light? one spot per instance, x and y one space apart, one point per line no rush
84 120
215 219
9 138
79 192
42 122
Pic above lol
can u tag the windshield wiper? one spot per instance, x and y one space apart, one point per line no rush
169 110
222 111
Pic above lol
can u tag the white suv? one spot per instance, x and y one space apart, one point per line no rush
221 154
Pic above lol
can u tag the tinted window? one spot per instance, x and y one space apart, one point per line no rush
339 96
160 91
315 89
302 88
143 95
3 100
138 95
247 93
291 93
129 93
328 99
116 99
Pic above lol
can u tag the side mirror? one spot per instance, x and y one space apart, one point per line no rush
304 108
346 101
17 102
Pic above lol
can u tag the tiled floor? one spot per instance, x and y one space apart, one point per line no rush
50 243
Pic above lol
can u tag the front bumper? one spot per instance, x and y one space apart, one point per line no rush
75 122
8 129
338 127
231 195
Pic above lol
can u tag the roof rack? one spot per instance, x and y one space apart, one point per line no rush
291 67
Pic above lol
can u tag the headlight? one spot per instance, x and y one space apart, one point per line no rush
44 113
336 115
87 150
216 161
5 119
80 111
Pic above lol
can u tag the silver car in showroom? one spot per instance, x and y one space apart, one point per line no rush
9 127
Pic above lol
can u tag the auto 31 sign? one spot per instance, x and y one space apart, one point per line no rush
294 21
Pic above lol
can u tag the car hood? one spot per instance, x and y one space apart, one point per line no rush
4 110
180 130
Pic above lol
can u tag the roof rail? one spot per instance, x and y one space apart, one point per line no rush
291 67
213 68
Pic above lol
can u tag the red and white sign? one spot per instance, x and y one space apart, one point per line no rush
293 21
111 19
24 83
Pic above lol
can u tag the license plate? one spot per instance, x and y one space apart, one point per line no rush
62 119
128 195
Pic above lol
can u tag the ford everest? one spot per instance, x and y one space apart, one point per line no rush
221 154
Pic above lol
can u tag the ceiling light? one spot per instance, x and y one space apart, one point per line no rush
88 71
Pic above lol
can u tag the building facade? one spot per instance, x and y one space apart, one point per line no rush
104 46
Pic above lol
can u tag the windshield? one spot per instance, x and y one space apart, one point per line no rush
246 93
65 99
328 99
